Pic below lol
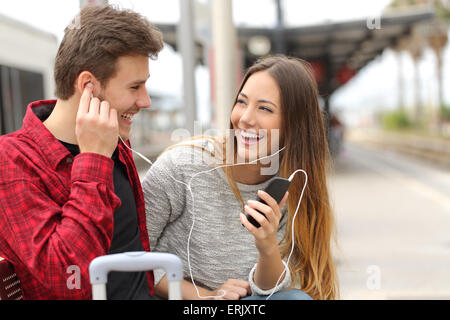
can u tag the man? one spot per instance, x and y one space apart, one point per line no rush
69 188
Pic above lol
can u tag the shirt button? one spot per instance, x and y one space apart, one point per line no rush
69 160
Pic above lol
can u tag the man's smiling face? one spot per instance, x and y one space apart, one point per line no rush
126 91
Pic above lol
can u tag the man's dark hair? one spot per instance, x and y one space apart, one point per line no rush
98 36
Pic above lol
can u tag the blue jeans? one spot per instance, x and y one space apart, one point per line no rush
288 294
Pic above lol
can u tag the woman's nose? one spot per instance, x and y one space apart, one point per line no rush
248 117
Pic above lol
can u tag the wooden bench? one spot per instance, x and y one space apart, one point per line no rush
10 287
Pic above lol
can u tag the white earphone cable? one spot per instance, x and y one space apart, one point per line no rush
193 209
292 229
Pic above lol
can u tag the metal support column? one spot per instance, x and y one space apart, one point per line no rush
280 41
186 43
224 37
84 3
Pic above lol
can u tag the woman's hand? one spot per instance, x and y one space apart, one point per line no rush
232 289
266 235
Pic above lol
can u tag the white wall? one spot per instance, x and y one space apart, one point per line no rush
27 48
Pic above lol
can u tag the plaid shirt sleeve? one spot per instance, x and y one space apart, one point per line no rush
46 241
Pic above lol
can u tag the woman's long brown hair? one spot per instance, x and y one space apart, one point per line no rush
303 134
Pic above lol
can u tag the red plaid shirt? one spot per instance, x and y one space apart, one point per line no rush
56 211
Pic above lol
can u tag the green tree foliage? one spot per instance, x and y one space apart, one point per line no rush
442 7
396 120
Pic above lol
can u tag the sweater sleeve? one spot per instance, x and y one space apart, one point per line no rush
164 201
256 291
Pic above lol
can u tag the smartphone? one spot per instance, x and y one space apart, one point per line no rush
276 188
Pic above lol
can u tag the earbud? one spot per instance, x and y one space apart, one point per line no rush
89 85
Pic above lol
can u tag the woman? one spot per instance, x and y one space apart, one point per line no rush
194 203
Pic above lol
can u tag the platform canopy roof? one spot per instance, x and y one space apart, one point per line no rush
336 50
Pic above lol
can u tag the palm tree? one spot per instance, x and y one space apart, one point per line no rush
436 36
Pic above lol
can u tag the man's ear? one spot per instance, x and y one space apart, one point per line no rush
83 79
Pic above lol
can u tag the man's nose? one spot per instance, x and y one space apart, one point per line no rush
144 100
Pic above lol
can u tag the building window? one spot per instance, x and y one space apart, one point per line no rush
17 89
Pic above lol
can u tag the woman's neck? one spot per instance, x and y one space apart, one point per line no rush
249 174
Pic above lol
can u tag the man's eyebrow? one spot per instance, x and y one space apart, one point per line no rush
260 100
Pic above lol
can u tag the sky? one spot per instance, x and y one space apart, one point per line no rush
374 88
54 15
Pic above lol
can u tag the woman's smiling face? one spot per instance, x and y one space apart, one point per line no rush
256 117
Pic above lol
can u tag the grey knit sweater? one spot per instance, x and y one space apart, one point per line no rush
219 247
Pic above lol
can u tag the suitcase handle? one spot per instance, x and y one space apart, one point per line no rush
134 262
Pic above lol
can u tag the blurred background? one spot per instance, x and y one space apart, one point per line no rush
383 71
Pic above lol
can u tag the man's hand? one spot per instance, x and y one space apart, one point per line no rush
97 127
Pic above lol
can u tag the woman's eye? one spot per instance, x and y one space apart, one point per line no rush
266 109
240 101
135 88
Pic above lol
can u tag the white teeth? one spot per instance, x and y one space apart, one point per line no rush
127 116
250 135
